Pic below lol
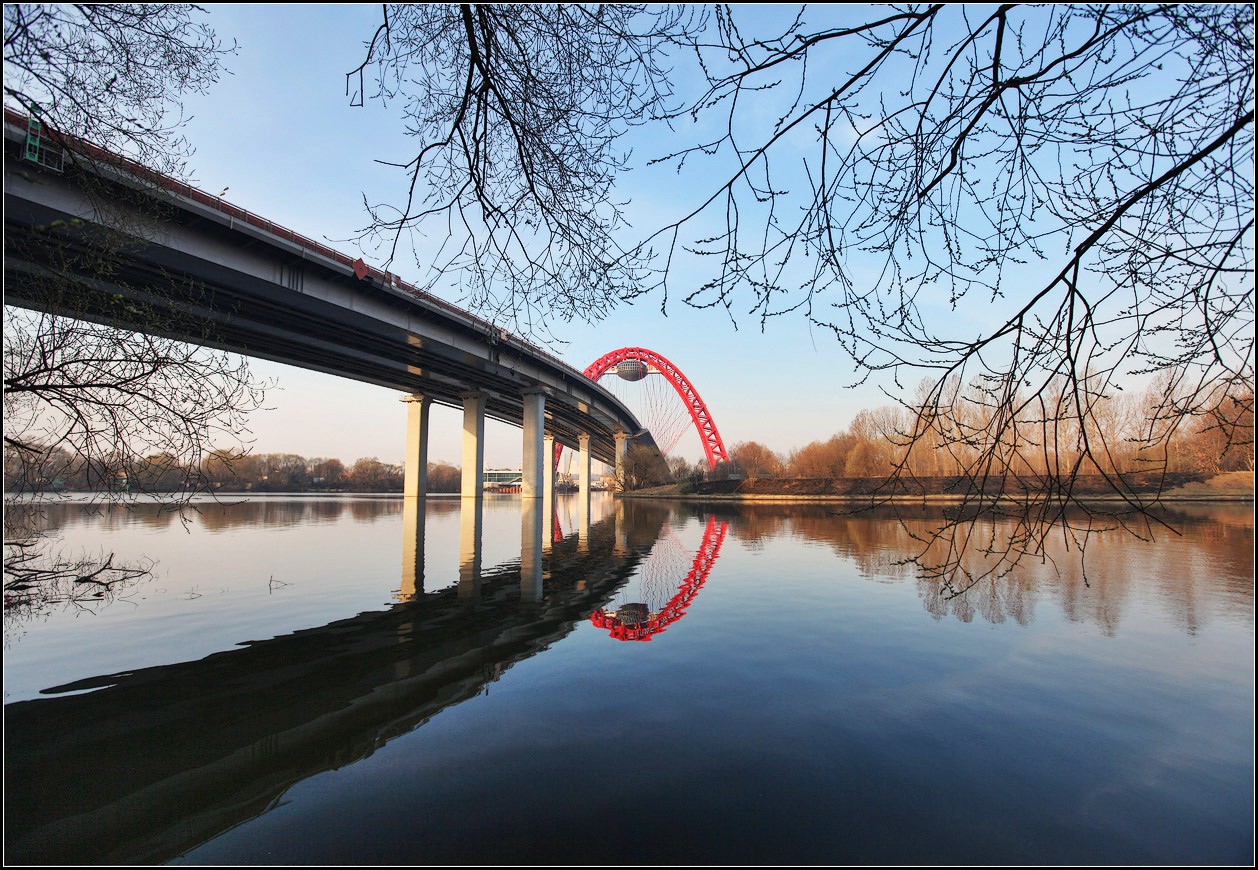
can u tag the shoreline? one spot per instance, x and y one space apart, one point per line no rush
1227 487
911 499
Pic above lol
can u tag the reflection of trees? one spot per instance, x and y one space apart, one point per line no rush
369 510
285 512
40 578
271 513
1216 543
995 599
228 515
754 527
643 520
229 512
41 575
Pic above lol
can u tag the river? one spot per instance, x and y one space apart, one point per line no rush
296 682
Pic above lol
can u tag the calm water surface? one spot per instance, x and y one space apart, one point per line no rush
298 683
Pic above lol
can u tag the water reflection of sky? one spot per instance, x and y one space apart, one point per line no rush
263 567
818 702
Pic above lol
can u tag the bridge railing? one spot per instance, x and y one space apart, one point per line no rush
182 188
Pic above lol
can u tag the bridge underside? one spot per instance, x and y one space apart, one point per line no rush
224 286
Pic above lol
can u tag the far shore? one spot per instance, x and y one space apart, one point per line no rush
1232 486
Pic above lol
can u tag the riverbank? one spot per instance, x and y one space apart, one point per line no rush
1229 486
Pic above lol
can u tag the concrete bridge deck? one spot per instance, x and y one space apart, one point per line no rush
240 283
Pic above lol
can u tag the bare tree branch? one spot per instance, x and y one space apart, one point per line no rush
125 413
1035 207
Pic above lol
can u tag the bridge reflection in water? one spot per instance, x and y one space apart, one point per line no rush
642 620
142 766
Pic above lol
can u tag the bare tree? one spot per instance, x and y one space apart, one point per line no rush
755 459
127 406
642 466
680 467
1031 206
518 110
1087 169
136 412
130 414
113 74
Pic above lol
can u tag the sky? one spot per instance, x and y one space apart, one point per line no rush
279 133
280 136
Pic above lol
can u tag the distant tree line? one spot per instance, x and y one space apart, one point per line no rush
223 470
1124 434
918 441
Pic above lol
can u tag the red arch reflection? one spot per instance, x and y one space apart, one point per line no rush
675 609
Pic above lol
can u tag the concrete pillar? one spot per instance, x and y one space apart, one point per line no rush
622 443
533 484
473 445
548 490
531 510
583 464
415 480
414 492
583 493
470 525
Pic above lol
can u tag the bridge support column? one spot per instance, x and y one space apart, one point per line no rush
415 481
532 484
622 443
415 491
583 493
473 445
548 490
583 465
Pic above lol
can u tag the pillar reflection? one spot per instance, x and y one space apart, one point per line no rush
583 522
548 491
621 539
414 514
531 538
471 523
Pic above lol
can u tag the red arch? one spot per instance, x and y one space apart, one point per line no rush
675 609
713 446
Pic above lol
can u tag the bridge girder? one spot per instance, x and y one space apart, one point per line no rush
238 288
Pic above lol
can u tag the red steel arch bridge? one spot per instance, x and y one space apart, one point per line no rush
669 403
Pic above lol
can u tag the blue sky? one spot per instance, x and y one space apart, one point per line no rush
280 134
280 137
278 131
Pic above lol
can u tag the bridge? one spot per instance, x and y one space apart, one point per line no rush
268 292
